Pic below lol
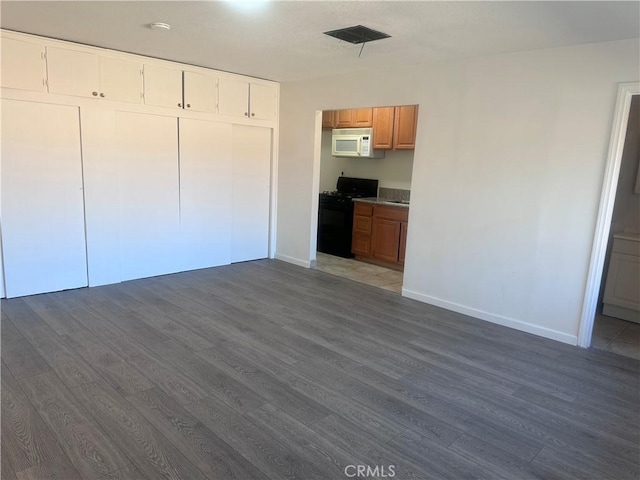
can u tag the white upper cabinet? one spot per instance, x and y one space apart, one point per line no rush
233 97
200 92
263 101
162 86
72 72
84 74
23 65
244 99
120 80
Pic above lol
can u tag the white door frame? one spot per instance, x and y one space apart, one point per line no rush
605 211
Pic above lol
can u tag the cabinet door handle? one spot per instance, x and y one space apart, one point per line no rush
188 105
102 95
253 114
246 114
180 105
95 94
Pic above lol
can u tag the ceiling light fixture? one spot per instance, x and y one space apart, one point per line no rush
159 26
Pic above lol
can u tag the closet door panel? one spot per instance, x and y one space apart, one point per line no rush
205 193
102 196
43 231
147 150
251 183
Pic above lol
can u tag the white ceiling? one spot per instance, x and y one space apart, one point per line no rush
283 40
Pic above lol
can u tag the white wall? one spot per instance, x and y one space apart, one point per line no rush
507 172
392 171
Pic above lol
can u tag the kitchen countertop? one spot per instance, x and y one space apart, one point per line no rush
382 201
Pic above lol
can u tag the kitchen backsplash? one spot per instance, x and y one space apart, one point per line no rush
394 194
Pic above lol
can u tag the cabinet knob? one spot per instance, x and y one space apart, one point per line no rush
188 105
253 114
246 114
180 105
102 95
95 94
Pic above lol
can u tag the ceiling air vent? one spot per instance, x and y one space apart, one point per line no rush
357 34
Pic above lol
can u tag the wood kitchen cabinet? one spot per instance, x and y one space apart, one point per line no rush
328 119
394 128
351 118
380 234
405 125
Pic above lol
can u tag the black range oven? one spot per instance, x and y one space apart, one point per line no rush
335 214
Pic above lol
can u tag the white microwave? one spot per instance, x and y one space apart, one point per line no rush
354 142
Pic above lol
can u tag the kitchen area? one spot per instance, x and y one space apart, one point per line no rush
365 184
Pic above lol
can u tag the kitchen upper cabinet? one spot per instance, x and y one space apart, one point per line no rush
404 127
243 99
362 117
23 65
162 86
73 72
394 128
344 118
200 92
84 74
383 127
328 118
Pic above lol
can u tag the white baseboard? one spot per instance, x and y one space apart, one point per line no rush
490 317
295 261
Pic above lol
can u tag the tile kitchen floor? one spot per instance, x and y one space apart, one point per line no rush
617 336
360 271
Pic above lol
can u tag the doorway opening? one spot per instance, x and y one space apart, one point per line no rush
364 165
606 236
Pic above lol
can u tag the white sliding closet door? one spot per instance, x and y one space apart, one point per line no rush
205 193
42 200
251 179
147 150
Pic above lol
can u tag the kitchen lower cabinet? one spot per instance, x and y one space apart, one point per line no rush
622 283
205 193
147 152
251 154
43 229
380 234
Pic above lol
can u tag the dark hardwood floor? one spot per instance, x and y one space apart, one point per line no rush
264 370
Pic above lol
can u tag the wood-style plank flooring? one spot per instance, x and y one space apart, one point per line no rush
263 370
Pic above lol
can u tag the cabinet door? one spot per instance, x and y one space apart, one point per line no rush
404 128
403 242
361 245
200 92
344 118
162 86
622 286
120 80
71 72
147 148
263 102
205 193
362 117
383 127
23 65
328 119
43 234
386 239
251 186
233 97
